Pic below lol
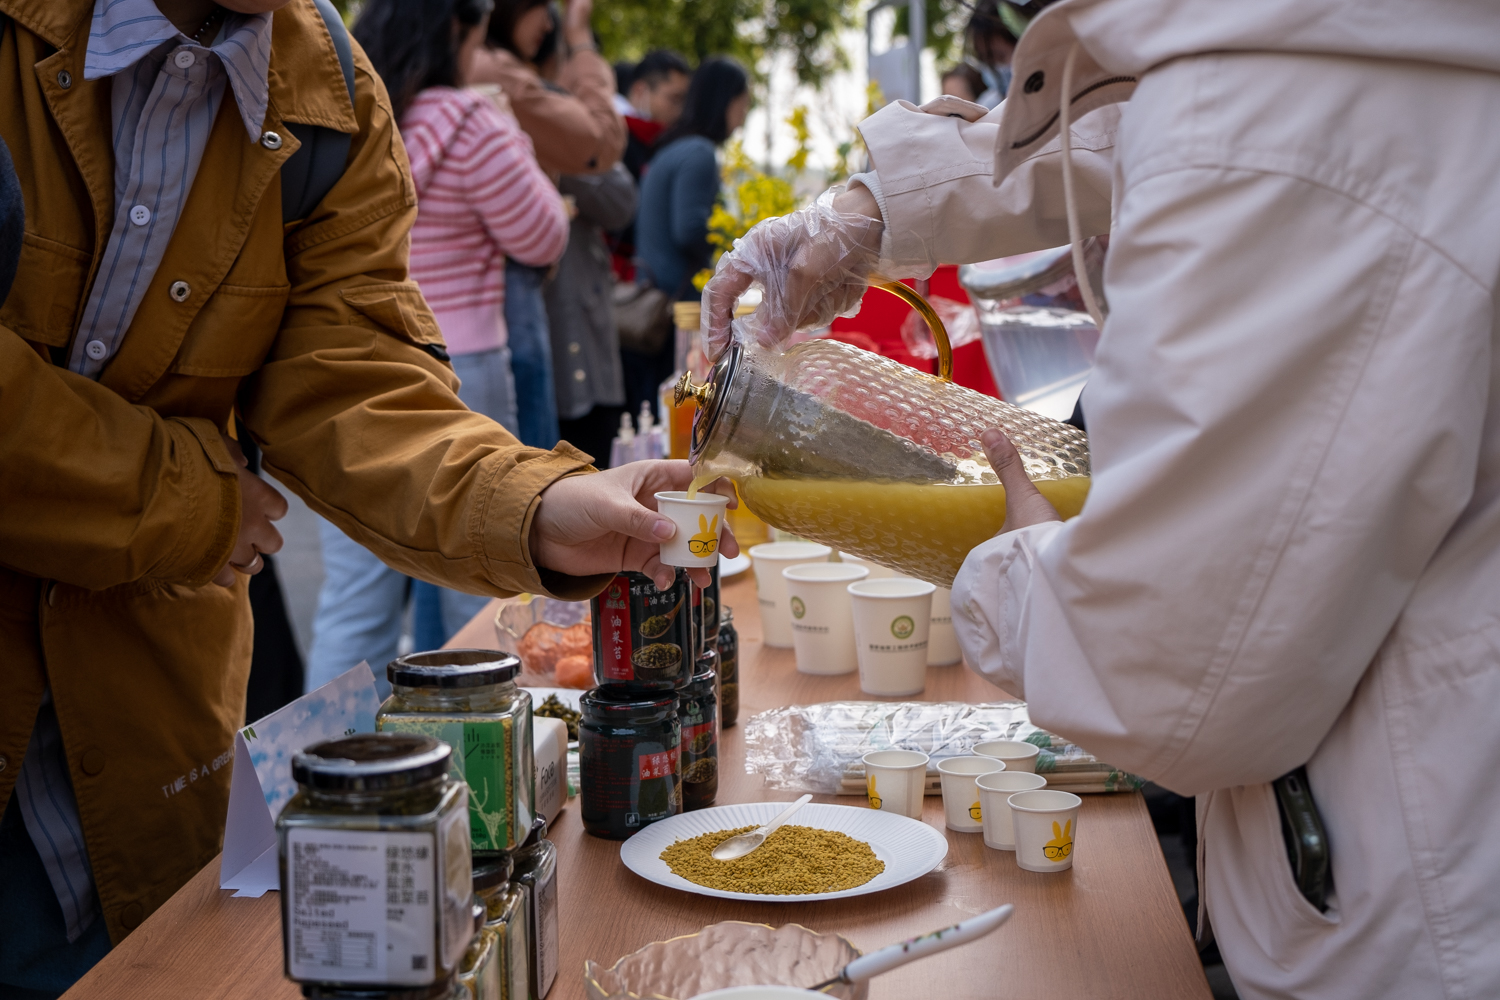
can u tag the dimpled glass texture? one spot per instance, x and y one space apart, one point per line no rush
732 953
878 459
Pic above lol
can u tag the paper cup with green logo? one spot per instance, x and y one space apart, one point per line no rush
823 615
892 619
699 521
769 560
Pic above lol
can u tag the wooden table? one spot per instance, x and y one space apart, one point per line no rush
1109 927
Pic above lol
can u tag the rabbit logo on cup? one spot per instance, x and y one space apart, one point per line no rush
706 541
1061 844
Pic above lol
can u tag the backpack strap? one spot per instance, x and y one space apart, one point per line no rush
311 172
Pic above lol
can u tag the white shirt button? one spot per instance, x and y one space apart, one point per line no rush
578 375
140 215
184 59
96 350
573 348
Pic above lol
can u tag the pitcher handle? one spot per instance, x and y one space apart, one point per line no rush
912 298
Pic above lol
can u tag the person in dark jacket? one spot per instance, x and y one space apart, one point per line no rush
677 197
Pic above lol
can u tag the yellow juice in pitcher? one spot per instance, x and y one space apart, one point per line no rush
924 531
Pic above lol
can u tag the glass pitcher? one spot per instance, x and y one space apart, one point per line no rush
869 455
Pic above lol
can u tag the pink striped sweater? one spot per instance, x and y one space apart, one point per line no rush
480 198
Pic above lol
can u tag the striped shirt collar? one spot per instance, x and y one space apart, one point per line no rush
126 31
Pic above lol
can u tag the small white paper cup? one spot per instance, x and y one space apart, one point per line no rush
877 571
891 621
995 790
823 615
700 521
1018 756
769 559
1046 822
896 781
942 641
962 810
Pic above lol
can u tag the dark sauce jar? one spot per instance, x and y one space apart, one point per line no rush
729 669
698 710
643 637
628 758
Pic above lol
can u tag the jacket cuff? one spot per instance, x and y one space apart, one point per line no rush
213 522
507 531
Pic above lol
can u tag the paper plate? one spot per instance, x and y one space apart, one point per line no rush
909 849
733 567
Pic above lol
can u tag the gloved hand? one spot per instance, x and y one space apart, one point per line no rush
813 265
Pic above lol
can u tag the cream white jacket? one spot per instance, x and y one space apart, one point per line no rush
1291 550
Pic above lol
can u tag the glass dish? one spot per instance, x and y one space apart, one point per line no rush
732 953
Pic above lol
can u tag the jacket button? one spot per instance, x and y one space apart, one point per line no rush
578 375
3 763
64 79
179 291
131 915
1035 82
574 348
92 761
52 596
270 140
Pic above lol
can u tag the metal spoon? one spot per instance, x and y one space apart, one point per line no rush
893 956
738 847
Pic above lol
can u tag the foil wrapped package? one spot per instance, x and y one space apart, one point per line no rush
819 748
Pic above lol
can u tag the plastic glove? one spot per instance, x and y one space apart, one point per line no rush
812 265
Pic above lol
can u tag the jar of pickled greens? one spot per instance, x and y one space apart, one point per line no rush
505 919
483 970
729 669
375 865
629 773
468 698
536 874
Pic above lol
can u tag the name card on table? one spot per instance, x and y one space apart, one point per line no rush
262 781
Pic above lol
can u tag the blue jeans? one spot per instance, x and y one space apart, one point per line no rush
531 355
362 600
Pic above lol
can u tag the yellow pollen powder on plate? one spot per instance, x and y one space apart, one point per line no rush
794 861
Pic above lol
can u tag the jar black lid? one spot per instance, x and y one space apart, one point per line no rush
494 872
621 708
371 762
323 991
453 668
700 686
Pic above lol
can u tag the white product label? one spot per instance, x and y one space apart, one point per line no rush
361 906
456 864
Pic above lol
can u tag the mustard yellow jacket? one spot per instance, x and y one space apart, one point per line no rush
118 500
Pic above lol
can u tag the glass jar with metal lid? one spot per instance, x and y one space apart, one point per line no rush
629 771
483 971
468 698
505 919
375 865
536 874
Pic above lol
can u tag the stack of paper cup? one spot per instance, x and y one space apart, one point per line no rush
892 619
942 643
823 615
770 586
